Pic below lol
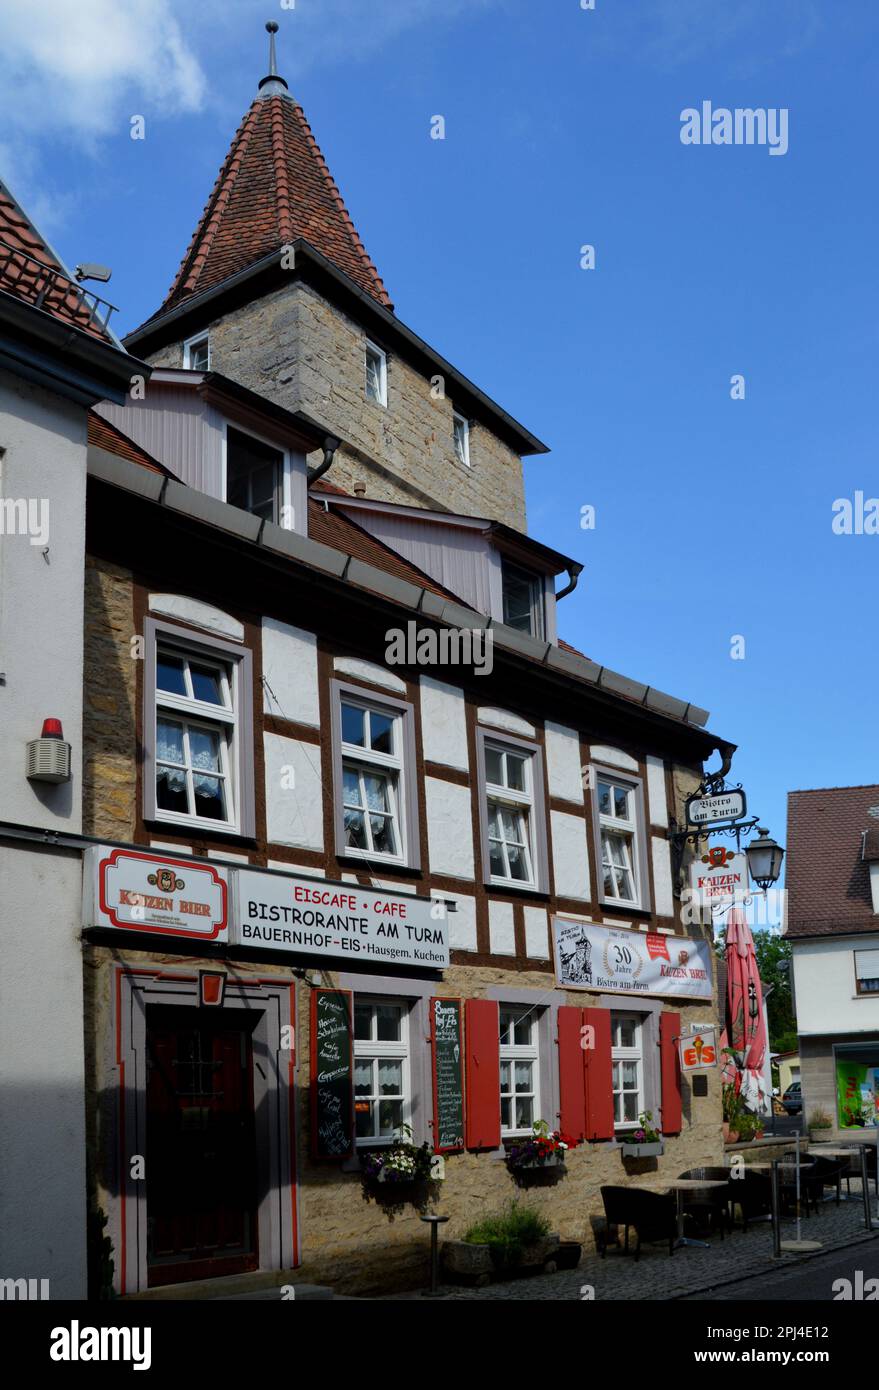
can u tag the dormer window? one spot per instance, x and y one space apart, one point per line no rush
462 439
523 599
197 353
376 375
254 472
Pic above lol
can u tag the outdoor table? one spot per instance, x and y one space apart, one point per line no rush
680 1186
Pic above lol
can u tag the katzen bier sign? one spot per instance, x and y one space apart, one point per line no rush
144 892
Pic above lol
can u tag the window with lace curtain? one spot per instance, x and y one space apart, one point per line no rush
197 734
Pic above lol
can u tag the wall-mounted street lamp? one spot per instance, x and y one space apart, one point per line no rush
764 859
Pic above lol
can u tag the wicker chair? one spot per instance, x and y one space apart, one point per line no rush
651 1215
710 1208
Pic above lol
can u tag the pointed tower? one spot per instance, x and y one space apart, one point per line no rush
276 290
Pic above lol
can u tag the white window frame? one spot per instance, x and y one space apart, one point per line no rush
621 1054
537 582
859 979
192 343
285 499
382 357
401 763
513 1052
462 454
196 714
375 1051
531 802
235 719
632 828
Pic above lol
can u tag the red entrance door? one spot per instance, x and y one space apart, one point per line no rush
200 1150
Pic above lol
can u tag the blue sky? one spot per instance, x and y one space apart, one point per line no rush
562 128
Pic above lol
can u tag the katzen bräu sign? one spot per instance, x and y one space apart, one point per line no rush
311 916
592 957
142 892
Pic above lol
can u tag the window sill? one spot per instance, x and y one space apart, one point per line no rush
515 889
198 830
625 909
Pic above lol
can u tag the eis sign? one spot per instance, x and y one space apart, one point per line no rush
143 892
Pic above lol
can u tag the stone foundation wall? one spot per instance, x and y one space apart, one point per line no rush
361 1243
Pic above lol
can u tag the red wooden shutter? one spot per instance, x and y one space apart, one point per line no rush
572 1073
670 1073
483 1089
599 1076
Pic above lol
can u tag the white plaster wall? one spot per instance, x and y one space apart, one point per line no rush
368 671
504 719
536 937
657 801
824 985
563 763
501 929
289 663
602 753
461 924
192 610
41 599
294 815
443 723
449 828
664 904
570 855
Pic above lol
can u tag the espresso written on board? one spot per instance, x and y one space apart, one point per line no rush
446 1031
332 1081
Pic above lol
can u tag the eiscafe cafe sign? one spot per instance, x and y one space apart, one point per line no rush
137 891
320 918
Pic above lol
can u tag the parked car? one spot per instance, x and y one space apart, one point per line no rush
792 1100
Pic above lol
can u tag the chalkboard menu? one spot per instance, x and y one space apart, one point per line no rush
447 1037
332 1080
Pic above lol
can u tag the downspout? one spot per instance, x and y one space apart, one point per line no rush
331 444
574 570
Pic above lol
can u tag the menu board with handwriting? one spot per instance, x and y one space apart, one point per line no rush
447 1037
332 1078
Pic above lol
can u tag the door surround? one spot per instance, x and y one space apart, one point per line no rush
273 1000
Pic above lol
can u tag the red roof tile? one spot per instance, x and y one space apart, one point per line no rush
273 188
30 271
828 882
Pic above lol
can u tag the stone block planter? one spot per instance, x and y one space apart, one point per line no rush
642 1150
468 1263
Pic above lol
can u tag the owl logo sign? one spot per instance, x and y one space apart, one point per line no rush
699 1050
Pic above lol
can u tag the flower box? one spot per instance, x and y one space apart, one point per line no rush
555 1160
469 1263
642 1150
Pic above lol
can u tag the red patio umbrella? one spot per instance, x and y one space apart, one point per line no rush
747 1031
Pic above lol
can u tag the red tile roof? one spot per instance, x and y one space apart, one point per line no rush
273 188
828 883
103 435
30 271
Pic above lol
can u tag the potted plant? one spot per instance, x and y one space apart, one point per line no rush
540 1150
750 1127
516 1240
643 1142
819 1124
400 1163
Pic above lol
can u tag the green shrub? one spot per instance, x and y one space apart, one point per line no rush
508 1232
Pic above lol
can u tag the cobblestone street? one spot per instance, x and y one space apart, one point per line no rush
691 1270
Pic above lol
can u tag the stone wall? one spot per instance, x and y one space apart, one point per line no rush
297 349
109 769
360 1243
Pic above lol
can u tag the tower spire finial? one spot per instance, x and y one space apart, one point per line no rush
272 84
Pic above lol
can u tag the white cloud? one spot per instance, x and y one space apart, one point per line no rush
77 69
